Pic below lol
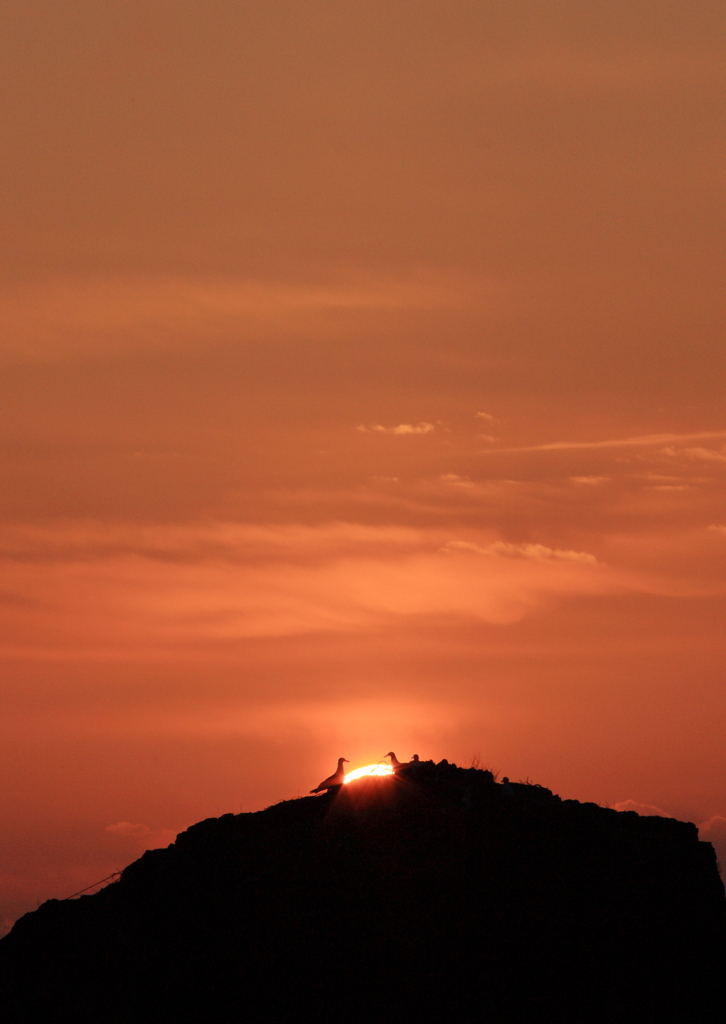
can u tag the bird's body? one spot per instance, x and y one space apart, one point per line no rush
336 779
395 763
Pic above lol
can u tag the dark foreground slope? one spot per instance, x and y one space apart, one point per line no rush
434 896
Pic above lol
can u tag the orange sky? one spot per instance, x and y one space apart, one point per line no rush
362 387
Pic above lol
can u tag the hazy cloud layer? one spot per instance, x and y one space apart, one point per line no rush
109 585
89 583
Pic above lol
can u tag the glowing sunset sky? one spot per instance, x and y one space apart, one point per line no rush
362 388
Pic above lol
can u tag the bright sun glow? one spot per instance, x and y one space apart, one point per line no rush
370 769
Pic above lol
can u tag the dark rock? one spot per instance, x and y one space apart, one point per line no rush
426 896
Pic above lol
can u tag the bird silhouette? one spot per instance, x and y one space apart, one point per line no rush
395 763
333 780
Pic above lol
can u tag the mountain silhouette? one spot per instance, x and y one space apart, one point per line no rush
431 895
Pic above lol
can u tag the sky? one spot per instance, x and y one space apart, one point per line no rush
362 371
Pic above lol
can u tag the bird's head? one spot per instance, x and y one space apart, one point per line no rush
341 759
389 754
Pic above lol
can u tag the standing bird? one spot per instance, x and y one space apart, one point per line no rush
333 780
395 763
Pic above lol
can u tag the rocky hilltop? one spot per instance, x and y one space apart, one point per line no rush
433 895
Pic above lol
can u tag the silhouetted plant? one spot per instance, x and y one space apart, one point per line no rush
476 761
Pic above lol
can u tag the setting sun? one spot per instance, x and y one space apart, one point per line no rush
370 769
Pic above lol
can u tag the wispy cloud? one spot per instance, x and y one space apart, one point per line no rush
128 829
643 440
540 552
402 429
714 831
454 478
98 314
534 552
648 810
697 454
